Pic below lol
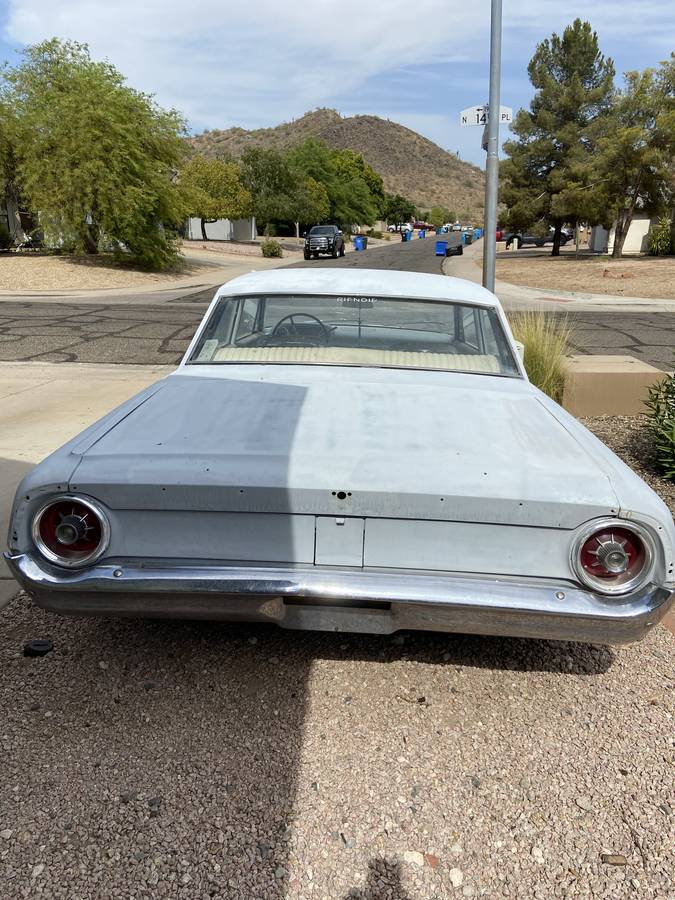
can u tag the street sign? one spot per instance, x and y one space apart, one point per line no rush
474 115
479 115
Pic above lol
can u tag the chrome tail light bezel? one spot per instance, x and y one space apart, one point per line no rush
65 562
607 586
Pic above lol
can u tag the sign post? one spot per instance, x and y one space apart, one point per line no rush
492 167
480 115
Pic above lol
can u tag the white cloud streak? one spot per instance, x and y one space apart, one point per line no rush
260 62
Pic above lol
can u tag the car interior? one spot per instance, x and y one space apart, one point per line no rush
356 331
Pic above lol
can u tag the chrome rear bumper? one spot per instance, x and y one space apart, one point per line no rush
356 600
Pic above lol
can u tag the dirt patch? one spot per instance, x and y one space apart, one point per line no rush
634 277
630 438
32 272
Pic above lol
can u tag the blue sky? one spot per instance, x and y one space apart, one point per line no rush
226 63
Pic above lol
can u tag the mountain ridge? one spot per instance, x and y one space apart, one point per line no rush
409 163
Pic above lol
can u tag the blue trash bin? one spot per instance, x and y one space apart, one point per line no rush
441 248
408 235
422 234
359 243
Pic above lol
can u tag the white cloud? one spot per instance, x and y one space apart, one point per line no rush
260 62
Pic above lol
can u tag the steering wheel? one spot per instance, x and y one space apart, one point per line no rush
291 329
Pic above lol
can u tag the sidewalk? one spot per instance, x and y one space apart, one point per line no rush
518 297
43 405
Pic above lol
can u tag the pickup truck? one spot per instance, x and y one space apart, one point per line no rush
326 239
523 239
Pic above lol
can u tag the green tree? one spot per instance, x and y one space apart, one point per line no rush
9 130
96 158
213 190
310 202
636 160
398 209
440 215
549 171
351 165
269 177
349 195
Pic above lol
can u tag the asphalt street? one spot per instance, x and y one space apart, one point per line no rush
158 333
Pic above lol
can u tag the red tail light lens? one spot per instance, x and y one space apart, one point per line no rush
613 558
71 531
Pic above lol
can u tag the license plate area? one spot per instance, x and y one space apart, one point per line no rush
339 541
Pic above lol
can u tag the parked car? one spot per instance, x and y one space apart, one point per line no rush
524 239
326 240
423 226
400 226
269 478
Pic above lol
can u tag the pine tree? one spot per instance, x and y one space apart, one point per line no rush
549 174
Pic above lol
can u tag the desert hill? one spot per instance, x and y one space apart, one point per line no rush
409 163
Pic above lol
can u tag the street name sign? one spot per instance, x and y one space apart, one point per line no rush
479 115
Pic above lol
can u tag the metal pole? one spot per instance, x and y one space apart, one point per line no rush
492 168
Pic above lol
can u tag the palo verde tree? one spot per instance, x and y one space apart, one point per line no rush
213 190
549 167
94 158
636 159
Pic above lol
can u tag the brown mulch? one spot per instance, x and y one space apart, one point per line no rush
629 437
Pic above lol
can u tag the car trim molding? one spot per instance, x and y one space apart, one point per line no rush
326 598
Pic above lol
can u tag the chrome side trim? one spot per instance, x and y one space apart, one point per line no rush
341 599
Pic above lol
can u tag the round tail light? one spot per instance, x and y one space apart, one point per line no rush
71 531
613 557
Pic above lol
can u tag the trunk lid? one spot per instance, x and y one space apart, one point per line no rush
347 441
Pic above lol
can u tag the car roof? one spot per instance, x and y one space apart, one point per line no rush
360 282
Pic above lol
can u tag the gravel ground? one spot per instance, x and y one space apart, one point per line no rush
32 272
198 760
629 438
174 759
632 277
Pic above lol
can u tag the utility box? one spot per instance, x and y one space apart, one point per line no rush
608 385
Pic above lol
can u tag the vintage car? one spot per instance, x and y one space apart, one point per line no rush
348 450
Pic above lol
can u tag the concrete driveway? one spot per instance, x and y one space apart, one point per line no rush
42 406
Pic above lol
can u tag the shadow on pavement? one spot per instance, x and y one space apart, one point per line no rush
475 651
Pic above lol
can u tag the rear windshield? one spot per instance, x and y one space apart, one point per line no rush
355 330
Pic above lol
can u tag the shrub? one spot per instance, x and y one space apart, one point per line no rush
661 405
271 248
546 343
5 237
661 238
376 234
